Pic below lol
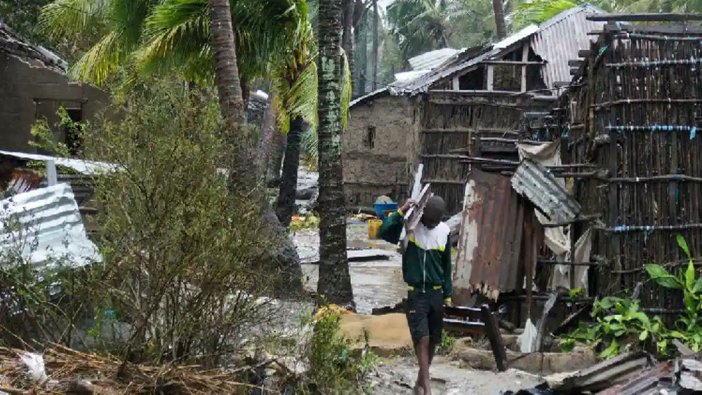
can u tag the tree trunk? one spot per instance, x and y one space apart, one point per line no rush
361 64
276 149
275 161
376 19
347 37
285 205
244 151
500 24
334 279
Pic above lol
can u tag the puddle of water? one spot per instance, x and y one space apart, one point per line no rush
375 283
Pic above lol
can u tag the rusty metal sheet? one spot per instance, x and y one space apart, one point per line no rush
537 184
490 239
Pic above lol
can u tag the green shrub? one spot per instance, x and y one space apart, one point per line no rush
333 368
620 324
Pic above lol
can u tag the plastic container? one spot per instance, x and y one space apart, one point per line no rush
382 209
374 228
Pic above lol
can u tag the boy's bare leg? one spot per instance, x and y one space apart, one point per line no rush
424 357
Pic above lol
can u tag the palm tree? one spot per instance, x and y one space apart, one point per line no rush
231 102
295 99
295 91
376 44
500 25
334 279
192 37
423 25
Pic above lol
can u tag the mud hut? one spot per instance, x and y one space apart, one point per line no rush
473 104
33 86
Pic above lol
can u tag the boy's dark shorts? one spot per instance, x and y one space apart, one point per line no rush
425 314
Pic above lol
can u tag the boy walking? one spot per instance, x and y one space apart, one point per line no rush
426 268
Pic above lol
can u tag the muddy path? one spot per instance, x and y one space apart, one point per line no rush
397 376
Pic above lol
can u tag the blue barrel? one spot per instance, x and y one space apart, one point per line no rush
382 208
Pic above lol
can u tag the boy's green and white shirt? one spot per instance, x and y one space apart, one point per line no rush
426 264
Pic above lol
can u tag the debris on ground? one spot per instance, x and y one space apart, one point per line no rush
631 373
62 370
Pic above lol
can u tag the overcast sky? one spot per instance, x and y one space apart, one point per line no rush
385 3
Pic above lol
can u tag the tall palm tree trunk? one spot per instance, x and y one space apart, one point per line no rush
276 150
347 39
231 101
243 149
334 279
285 205
500 24
376 20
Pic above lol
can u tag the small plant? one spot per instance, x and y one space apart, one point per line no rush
620 323
688 325
447 343
334 368
625 326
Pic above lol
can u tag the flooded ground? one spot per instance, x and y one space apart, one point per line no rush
375 283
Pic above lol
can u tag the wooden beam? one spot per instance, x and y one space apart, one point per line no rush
490 77
493 334
645 17
456 83
513 62
525 58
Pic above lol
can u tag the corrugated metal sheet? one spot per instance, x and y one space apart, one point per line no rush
557 40
375 94
45 228
490 240
560 39
430 60
81 166
536 183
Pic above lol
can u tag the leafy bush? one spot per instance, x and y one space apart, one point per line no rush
333 367
181 256
620 323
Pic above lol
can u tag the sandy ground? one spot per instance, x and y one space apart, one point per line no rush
397 376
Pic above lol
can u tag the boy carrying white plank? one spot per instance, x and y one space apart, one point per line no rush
426 268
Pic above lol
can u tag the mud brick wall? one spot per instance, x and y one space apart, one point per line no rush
378 147
30 91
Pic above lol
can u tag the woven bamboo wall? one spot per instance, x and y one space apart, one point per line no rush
635 115
451 124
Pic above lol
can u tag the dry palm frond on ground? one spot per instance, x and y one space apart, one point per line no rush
75 372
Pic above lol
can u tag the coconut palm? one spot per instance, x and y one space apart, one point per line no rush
154 35
295 100
196 39
334 279
498 9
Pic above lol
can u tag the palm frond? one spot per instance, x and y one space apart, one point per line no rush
346 91
298 99
68 18
102 60
539 11
176 37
